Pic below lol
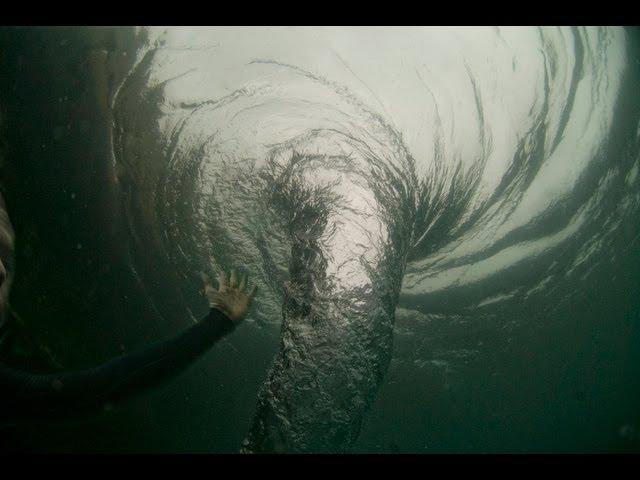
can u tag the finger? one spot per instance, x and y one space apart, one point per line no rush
233 282
243 283
222 280
207 281
253 291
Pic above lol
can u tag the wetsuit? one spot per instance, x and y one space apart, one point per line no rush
28 396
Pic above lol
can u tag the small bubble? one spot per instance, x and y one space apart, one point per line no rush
79 246
627 431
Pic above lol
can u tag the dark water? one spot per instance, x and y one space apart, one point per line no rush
133 159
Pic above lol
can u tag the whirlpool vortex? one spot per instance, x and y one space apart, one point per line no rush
362 174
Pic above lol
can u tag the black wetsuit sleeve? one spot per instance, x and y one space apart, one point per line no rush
117 378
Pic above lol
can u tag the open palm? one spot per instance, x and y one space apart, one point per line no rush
230 297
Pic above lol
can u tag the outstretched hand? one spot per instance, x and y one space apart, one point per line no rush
230 297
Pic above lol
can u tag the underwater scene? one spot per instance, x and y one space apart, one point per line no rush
320 239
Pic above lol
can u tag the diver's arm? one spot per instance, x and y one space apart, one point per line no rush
115 379
66 392
161 361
